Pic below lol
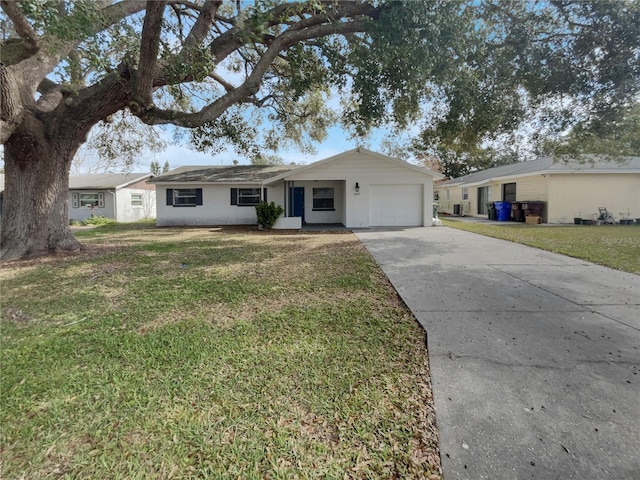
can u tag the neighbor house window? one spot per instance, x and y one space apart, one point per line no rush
465 193
184 197
323 199
136 199
87 200
509 192
247 197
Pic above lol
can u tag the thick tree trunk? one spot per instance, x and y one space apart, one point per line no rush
35 219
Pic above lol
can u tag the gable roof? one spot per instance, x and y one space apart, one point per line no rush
224 174
99 181
547 165
264 174
360 150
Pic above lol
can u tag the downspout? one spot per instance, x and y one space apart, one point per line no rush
115 211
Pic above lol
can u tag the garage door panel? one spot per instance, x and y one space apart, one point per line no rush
392 205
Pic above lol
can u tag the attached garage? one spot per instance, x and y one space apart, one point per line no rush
396 205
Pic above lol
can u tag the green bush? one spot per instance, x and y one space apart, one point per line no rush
97 220
268 213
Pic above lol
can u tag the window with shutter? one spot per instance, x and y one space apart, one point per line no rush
248 197
75 200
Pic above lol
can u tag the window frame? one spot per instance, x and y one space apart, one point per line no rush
134 202
330 199
465 193
93 204
177 193
512 196
248 193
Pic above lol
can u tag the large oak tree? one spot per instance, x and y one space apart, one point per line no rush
219 69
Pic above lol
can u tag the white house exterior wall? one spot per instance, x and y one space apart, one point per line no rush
366 170
580 195
216 208
126 212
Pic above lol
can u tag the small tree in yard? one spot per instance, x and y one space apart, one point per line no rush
257 76
268 213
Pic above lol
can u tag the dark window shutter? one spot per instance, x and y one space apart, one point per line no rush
265 195
169 196
198 196
234 196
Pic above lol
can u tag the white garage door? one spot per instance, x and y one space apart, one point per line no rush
396 205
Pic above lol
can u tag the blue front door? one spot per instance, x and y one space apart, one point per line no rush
296 201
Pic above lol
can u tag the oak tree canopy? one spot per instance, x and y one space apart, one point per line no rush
257 75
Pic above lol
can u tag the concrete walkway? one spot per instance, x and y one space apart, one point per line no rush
535 357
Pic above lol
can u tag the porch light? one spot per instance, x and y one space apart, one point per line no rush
357 187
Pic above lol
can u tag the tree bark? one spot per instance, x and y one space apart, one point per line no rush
34 209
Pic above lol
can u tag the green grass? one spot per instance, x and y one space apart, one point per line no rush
615 246
198 353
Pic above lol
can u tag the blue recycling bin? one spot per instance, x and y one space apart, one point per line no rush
503 211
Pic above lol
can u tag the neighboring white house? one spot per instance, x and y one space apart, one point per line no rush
568 189
358 189
124 197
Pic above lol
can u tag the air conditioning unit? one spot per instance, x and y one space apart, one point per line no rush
466 207
457 209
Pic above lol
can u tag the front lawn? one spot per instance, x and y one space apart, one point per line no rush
615 246
211 353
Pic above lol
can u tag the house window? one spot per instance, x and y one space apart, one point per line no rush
136 199
509 192
184 197
447 194
247 197
88 200
465 193
323 198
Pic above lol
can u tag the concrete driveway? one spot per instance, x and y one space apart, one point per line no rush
535 357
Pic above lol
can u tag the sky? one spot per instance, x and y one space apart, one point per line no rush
336 142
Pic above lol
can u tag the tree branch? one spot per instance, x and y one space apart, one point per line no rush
149 48
200 29
155 116
20 24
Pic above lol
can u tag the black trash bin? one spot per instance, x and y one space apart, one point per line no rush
491 208
517 213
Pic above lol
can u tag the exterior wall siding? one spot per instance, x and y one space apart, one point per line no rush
216 208
126 212
532 188
580 195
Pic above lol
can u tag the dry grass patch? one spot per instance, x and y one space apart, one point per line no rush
212 353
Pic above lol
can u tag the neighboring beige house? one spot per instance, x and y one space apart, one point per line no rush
568 189
124 197
358 189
